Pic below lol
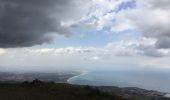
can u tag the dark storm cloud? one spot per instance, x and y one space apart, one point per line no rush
31 22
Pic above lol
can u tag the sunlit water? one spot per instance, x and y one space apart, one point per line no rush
153 80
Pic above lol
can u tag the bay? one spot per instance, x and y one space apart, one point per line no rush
152 80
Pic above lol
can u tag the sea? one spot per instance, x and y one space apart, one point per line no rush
158 80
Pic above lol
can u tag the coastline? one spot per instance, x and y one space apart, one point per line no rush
82 73
135 89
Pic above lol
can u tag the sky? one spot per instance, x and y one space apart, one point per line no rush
49 35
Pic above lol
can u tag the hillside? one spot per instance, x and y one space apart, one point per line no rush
38 90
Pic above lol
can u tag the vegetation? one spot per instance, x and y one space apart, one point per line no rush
38 90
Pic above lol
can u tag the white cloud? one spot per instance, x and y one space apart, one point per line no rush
139 46
2 51
95 58
122 23
101 13
116 54
151 18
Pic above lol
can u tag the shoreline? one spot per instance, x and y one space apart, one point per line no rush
82 73
164 94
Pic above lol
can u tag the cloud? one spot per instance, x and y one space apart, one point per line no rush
151 18
114 55
48 58
102 13
28 23
139 46
2 51
148 17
